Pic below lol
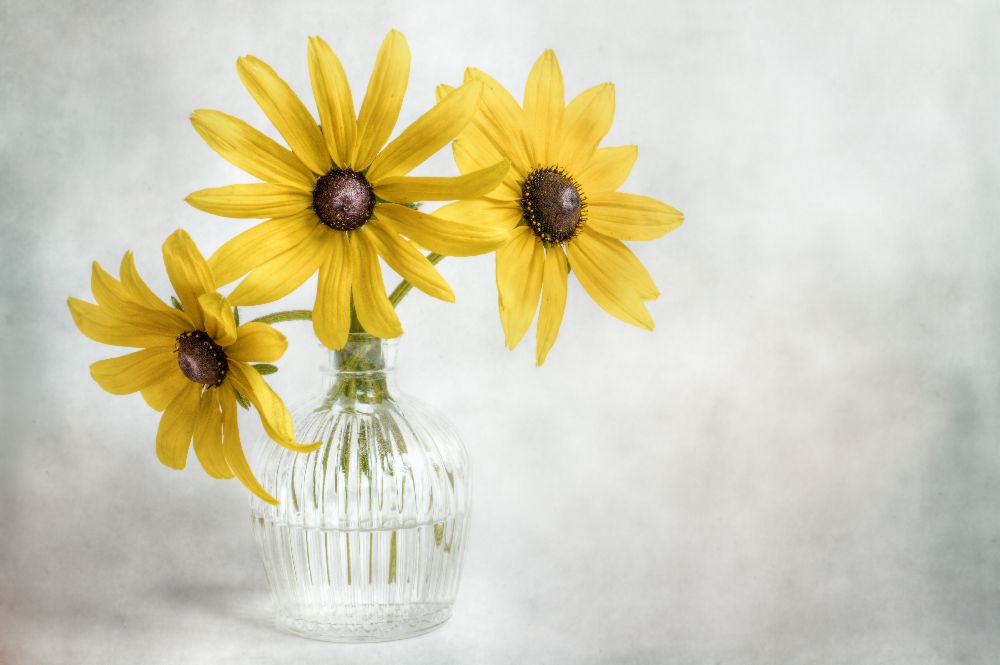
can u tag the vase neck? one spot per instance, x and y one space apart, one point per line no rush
364 369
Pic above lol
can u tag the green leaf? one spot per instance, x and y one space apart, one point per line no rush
176 303
236 315
265 368
244 402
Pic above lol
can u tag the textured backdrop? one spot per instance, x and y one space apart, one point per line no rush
800 465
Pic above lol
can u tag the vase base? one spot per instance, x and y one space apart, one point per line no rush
384 623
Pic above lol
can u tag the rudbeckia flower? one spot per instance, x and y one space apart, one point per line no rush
191 362
559 202
337 199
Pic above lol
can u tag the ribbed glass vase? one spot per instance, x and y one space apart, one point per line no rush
367 541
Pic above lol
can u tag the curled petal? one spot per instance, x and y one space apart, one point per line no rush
257 342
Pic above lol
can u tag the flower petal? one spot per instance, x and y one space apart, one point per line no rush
160 394
220 324
101 326
246 148
285 272
428 134
483 212
208 436
257 342
285 111
615 295
334 101
232 448
608 169
188 272
442 236
332 312
544 106
386 88
630 216
274 415
588 119
260 200
135 371
470 158
408 262
258 245
401 189
375 312
620 260
500 123
519 282
550 314
139 292
173 437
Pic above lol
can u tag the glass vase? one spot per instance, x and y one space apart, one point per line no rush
367 541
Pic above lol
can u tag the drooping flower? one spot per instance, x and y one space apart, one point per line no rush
559 201
336 200
191 362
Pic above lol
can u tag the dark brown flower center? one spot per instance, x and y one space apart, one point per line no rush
201 359
553 204
343 200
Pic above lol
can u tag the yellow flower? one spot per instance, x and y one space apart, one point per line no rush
559 199
191 362
336 202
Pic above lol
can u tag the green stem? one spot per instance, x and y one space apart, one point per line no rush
404 287
290 315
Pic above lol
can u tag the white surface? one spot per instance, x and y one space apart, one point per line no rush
799 466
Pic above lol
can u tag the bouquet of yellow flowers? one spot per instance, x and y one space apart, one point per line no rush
535 188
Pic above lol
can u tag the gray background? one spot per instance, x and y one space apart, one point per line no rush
799 466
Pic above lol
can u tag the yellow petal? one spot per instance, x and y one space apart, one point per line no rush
503 215
334 100
119 301
332 312
101 326
160 394
108 291
257 342
232 448
386 88
208 436
620 260
470 159
285 272
544 106
177 426
285 111
550 314
246 148
500 123
274 416
139 292
220 324
375 312
133 372
260 200
401 189
428 134
608 169
519 282
189 273
260 244
588 119
630 216
447 237
615 295
408 262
